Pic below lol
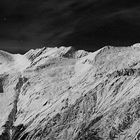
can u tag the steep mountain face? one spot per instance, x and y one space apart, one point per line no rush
65 94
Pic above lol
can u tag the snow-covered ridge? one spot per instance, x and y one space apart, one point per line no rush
20 62
67 94
10 62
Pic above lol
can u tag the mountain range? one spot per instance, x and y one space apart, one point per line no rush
68 94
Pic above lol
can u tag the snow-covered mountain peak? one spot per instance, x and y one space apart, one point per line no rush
67 94
12 62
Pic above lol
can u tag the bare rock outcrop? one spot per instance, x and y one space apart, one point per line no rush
65 94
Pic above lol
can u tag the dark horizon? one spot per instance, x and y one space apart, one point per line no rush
88 25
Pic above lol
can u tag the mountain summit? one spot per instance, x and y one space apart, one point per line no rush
67 94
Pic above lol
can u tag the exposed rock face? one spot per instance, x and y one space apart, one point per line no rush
64 94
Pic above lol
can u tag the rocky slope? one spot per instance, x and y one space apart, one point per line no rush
65 94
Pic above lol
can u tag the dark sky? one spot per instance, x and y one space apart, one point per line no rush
84 24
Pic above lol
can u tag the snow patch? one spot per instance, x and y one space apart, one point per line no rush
21 62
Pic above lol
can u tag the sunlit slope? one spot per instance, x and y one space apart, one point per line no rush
65 94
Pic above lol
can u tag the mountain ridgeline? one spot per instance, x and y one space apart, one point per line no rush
67 94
